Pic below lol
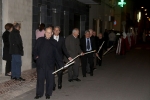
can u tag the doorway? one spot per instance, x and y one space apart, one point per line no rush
77 21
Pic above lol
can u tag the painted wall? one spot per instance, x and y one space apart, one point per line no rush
20 11
102 13
0 36
118 18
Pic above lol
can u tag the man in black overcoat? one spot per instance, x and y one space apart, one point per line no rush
46 54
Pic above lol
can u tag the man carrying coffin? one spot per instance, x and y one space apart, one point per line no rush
46 55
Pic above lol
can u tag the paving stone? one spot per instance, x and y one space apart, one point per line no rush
11 88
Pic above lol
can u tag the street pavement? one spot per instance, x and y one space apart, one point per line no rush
125 77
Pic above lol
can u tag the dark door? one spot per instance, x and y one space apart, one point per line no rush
77 21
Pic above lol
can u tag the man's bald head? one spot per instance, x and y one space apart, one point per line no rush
48 32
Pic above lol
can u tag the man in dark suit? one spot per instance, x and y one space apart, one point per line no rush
46 54
62 51
87 44
94 36
73 47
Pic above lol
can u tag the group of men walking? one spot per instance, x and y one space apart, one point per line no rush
52 51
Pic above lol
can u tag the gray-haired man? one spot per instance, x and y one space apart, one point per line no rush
73 47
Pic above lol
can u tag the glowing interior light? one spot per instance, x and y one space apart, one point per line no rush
138 16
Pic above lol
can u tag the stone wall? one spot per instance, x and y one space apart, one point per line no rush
20 11
0 36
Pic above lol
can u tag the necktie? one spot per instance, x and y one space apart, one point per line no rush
88 44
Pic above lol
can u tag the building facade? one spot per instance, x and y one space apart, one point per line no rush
67 14
109 15
102 16
0 35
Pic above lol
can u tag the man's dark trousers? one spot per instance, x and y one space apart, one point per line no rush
16 66
42 75
87 58
59 74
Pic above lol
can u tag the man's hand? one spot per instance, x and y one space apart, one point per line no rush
69 58
96 54
37 57
82 54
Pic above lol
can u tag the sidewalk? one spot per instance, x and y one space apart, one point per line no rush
11 88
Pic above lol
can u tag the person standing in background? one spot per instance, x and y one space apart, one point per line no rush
99 43
106 39
16 50
96 45
6 55
112 38
40 31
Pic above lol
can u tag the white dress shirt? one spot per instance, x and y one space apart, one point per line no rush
56 37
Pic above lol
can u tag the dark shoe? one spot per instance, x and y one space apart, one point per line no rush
91 74
70 80
37 97
59 86
13 78
94 68
20 79
84 75
54 88
47 97
77 79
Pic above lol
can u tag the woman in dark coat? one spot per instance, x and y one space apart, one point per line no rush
6 55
